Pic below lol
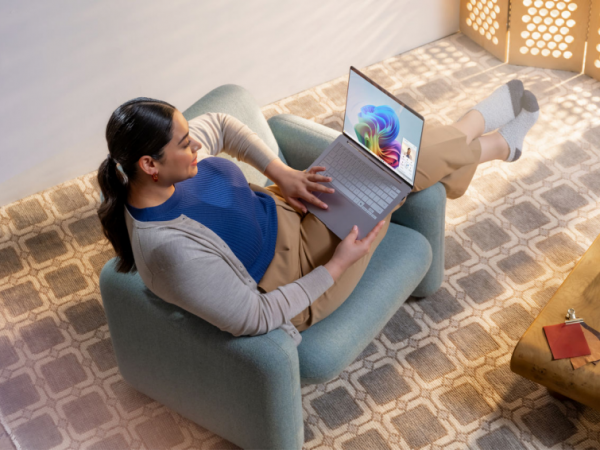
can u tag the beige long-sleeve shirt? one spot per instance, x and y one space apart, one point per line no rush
187 264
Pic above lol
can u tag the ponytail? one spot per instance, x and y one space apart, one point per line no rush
139 127
112 213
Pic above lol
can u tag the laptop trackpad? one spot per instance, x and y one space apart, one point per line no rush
341 215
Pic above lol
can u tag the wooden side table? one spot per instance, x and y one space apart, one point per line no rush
532 357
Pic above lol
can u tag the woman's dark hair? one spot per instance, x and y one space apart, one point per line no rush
139 127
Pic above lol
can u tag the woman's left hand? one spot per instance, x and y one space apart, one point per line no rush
298 184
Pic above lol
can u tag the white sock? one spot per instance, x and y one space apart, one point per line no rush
502 106
514 132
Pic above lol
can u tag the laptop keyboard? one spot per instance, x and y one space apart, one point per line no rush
359 182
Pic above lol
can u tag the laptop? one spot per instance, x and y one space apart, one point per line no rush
372 163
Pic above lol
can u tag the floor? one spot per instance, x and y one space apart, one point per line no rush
436 377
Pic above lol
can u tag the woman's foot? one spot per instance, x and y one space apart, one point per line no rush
502 106
514 132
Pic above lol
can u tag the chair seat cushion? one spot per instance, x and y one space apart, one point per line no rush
397 266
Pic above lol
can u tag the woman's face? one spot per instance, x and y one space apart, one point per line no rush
179 160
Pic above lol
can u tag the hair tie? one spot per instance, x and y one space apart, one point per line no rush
117 165
112 160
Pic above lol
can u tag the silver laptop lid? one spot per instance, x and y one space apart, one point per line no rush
383 127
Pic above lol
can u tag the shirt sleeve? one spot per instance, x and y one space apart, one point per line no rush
210 288
222 132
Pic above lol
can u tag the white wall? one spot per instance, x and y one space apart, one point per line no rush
66 65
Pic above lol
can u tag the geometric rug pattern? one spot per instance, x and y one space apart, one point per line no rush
436 377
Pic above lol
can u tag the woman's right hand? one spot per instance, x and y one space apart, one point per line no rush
350 250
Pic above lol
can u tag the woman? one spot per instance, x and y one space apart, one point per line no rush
250 259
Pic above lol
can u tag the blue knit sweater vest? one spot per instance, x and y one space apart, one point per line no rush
219 198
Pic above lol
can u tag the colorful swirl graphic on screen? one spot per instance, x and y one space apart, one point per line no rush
377 129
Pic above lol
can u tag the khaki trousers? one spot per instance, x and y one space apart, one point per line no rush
304 242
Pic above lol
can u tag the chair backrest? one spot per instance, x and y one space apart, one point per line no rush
238 102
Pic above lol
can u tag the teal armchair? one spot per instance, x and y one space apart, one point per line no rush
248 389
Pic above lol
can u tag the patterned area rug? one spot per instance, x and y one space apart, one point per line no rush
436 377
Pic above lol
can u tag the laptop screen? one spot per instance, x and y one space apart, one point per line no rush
381 124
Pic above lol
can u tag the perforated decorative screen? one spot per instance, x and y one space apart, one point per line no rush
485 22
592 60
542 33
549 34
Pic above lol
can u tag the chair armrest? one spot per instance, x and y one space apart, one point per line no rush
425 212
300 140
245 389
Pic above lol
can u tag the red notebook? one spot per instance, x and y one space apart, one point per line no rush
566 341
